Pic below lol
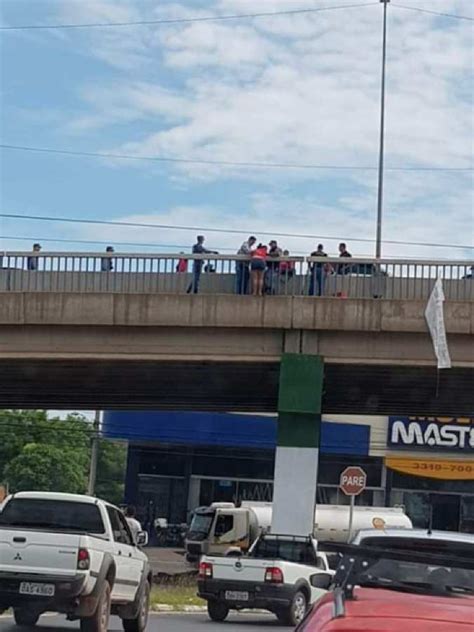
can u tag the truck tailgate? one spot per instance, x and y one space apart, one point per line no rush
245 569
38 552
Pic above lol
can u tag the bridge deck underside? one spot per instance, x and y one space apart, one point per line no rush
229 386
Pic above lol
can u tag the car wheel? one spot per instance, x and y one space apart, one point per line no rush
24 618
297 610
99 622
217 610
139 623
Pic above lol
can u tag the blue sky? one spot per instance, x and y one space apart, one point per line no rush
285 89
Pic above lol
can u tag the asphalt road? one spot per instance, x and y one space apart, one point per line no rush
163 623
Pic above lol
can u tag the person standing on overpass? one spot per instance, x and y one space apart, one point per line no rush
32 261
242 270
198 249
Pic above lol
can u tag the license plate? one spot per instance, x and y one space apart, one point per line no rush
236 595
33 588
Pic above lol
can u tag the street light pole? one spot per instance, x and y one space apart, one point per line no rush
378 241
94 455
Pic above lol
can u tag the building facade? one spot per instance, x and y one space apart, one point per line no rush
178 461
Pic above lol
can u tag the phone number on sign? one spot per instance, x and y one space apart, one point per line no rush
444 467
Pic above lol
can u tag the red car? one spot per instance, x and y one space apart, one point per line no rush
397 591
375 610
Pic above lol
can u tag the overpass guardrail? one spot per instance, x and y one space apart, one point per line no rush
219 274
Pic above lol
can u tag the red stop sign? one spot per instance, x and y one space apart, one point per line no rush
353 480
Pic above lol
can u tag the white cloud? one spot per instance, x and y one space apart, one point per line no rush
301 88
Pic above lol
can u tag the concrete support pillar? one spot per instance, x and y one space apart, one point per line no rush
297 454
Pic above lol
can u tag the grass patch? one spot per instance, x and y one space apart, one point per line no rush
176 596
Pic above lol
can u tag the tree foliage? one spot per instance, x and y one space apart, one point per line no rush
41 467
111 471
38 452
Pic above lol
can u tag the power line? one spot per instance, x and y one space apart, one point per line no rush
184 247
75 220
438 13
207 18
222 163
102 243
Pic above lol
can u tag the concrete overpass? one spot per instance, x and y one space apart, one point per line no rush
222 352
71 336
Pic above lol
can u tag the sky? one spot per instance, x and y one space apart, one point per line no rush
290 89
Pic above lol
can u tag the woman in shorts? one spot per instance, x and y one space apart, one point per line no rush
257 269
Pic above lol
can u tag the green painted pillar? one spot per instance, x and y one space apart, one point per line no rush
297 453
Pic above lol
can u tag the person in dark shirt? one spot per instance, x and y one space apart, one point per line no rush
273 267
107 263
32 262
343 252
318 273
198 249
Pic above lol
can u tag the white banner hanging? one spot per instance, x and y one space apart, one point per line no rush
434 315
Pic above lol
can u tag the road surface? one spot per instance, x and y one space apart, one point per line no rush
163 623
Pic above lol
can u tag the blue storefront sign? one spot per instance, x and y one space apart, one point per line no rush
440 434
224 429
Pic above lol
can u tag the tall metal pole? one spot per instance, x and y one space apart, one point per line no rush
378 241
94 455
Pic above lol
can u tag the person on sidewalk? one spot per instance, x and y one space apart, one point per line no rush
134 525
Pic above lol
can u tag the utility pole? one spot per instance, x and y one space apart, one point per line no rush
94 454
378 241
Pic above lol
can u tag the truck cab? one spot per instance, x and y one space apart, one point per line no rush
217 528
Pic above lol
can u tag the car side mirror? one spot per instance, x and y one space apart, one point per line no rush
321 580
142 538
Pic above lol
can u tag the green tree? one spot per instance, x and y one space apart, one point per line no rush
41 467
42 453
111 471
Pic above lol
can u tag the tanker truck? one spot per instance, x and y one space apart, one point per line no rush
224 528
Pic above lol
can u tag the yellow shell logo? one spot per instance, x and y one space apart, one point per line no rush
378 523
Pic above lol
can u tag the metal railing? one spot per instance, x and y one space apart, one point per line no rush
231 274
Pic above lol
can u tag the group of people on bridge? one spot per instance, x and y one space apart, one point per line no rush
264 268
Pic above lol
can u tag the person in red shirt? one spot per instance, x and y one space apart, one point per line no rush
257 269
182 264
287 268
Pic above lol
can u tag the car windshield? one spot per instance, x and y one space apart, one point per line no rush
57 515
418 577
298 551
201 523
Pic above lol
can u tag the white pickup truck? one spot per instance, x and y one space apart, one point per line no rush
73 555
275 576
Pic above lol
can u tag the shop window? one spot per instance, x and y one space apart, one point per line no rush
255 491
327 495
331 467
417 507
229 464
467 514
420 483
217 491
159 462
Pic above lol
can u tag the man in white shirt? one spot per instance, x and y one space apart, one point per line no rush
135 526
242 267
